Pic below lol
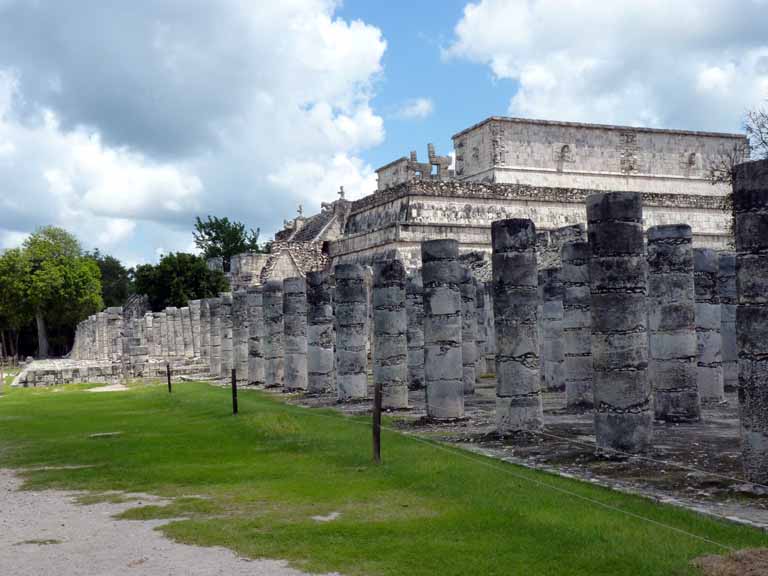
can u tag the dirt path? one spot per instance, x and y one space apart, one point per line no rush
46 533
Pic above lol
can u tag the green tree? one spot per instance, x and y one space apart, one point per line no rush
176 279
15 312
116 284
220 238
63 286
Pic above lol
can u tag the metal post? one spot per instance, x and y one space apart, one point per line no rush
377 423
234 391
168 376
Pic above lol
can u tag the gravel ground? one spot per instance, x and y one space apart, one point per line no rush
47 533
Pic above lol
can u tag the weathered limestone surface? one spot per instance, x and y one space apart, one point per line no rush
320 333
214 305
577 324
468 330
390 327
481 341
295 333
194 315
710 369
618 284
205 330
750 208
273 331
240 335
671 323
443 370
351 300
255 313
186 326
552 353
414 306
227 342
727 290
515 303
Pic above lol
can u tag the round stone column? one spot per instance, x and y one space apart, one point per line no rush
240 335
710 369
671 322
390 327
194 314
351 300
320 334
481 347
227 340
468 330
750 209
577 324
295 333
205 330
443 369
552 354
255 313
726 281
515 304
618 284
273 331
214 305
414 306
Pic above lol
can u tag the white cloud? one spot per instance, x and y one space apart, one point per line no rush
691 64
236 108
416 108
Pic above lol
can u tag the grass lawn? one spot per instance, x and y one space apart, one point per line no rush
263 474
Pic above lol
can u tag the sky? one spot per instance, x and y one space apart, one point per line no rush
122 121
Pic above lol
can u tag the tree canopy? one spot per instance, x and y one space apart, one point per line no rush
176 279
116 283
220 238
50 280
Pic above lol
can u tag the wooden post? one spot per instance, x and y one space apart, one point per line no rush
234 391
168 376
377 423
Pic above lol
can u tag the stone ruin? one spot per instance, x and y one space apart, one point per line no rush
640 328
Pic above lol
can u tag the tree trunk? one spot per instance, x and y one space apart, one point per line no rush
42 335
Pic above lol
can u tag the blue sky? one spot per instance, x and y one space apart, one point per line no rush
462 92
122 121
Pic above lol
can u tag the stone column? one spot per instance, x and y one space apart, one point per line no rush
577 322
710 369
149 333
552 354
468 330
255 336
320 335
205 331
671 322
295 333
194 316
727 290
750 209
178 330
226 330
240 335
414 307
390 328
273 330
214 307
164 351
618 284
186 322
443 369
515 304
351 301
490 323
482 330
170 318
